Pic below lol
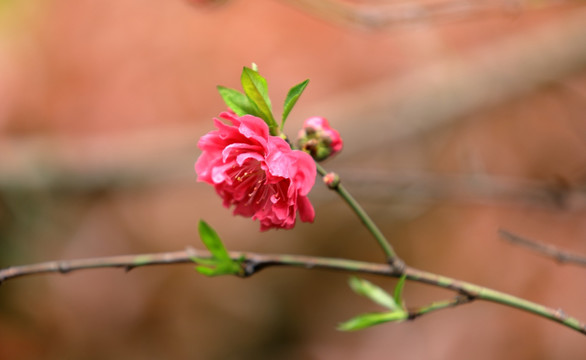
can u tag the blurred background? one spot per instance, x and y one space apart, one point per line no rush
459 118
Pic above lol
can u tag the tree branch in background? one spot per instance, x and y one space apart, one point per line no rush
378 14
383 186
424 99
550 251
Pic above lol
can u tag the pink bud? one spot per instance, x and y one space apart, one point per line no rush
319 139
332 180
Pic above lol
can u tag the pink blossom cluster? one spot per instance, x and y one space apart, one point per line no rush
257 173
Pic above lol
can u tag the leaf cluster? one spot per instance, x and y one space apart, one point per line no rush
255 99
394 304
220 263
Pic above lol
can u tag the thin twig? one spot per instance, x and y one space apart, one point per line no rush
439 305
253 262
382 186
551 251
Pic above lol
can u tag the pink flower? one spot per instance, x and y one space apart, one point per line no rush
257 173
319 139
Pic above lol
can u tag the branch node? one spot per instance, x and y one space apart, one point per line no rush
249 267
397 265
466 296
562 315
63 267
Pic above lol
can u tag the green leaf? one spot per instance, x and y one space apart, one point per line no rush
291 99
370 319
212 241
220 263
256 89
373 292
238 102
398 296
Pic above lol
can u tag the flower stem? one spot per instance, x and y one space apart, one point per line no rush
390 254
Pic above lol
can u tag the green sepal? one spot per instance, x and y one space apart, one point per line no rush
238 102
256 89
291 99
370 319
220 263
374 293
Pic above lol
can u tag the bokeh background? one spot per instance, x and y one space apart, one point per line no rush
459 118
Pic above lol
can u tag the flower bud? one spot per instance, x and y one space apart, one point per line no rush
318 139
332 180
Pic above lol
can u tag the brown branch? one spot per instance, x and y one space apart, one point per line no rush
252 263
561 256
452 88
380 186
391 14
